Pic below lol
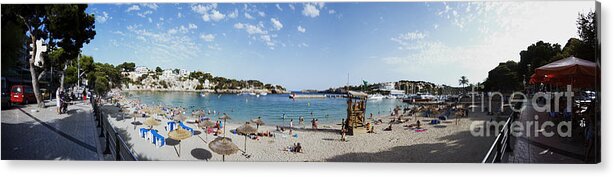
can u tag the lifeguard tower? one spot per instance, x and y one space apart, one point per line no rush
356 110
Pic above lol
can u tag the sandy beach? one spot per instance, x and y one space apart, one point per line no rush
445 142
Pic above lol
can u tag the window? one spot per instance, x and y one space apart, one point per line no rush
29 90
16 90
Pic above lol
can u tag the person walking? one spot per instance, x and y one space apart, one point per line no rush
58 102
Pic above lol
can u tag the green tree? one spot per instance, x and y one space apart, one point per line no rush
126 67
463 81
159 70
536 55
503 78
587 30
64 26
13 40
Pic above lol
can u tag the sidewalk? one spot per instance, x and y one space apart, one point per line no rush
45 135
541 149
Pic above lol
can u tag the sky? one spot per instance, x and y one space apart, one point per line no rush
317 45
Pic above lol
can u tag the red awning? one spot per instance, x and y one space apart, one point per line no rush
568 71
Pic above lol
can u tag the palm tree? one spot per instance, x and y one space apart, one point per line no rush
463 81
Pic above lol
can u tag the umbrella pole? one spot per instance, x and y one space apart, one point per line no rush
179 155
245 144
223 158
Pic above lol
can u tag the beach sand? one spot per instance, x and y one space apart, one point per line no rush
445 142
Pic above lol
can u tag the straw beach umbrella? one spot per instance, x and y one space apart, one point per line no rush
206 124
199 114
179 118
179 134
223 146
246 129
258 122
151 122
225 117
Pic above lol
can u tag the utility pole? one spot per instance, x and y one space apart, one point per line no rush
49 86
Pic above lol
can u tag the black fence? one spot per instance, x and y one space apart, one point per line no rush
502 144
114 143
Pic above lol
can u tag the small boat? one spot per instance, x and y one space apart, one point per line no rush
252 93
390 97
375 97
203 94
263 93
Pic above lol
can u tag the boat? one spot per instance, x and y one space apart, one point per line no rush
252 93
420 98
203 94
376 97
390 97
263 94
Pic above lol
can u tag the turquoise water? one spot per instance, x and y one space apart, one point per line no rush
270 108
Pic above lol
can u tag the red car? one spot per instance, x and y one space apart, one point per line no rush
22 94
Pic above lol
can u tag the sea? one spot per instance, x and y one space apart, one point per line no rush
274 109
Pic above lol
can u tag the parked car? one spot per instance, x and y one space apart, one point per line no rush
22 94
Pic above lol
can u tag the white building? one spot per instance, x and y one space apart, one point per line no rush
207 84
167 73
387 86
141 70
183 72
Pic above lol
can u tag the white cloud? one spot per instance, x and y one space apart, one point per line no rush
203 9
262 14
162 47
278 7
411 36
248 16
214 47
207 37
216 15
179 15
301 29
251 29
311 10
276 24
192 26
133 8
492 32
234 14
239 25
183 29
291 6
150 20
103 18
153 6
208 12
331 11
119 33
301 45
172 31
144 14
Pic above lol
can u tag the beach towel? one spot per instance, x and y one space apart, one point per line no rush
420 130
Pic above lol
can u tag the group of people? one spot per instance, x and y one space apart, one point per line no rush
63 98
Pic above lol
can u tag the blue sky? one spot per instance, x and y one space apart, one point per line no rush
316 45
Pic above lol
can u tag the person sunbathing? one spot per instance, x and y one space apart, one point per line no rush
298 148
389 128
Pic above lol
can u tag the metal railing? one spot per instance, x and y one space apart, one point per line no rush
114 143
502 144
